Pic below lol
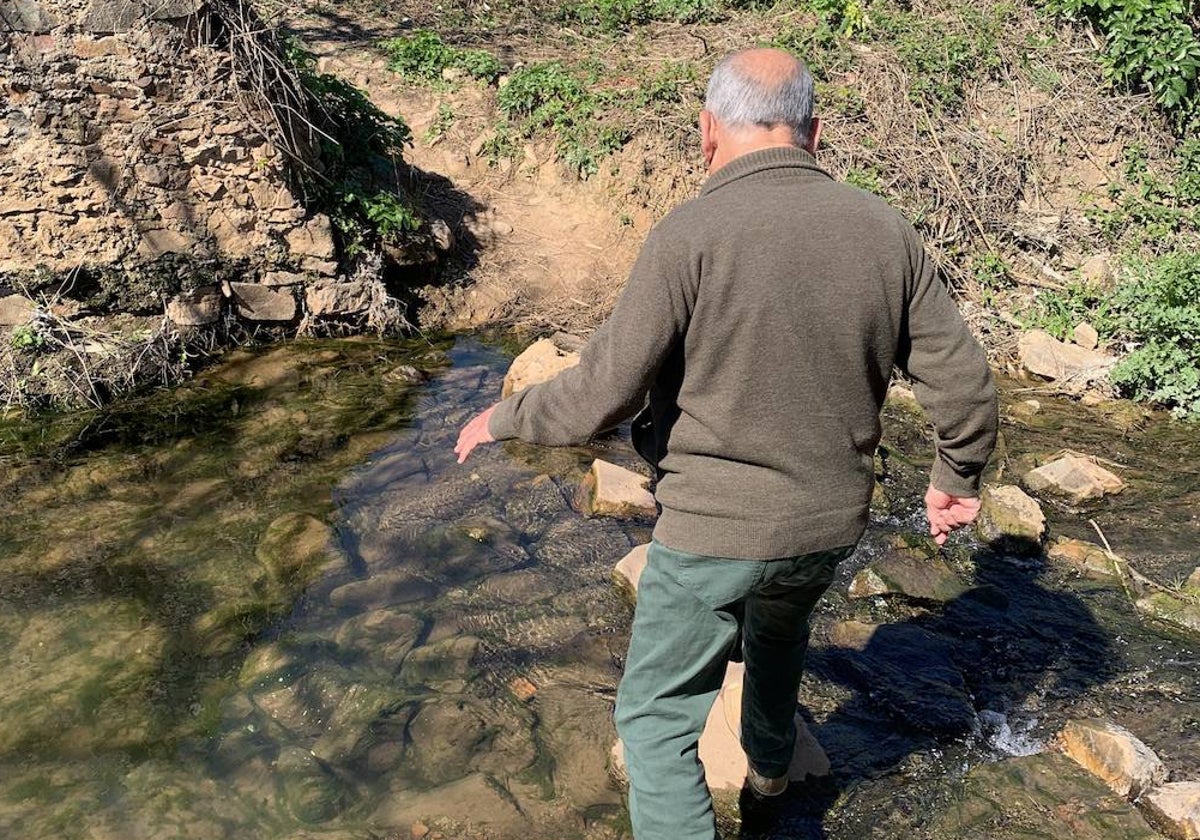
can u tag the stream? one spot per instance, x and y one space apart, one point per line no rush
269 604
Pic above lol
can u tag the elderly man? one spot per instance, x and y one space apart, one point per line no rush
763 320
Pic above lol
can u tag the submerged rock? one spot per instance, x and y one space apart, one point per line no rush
907 671
910 573
629 571
1180 612
1175 808
1070 366
1114 755
1009 517
1077 477
1037 797
609 490
442 666
295 547
382 590
542 361
1089 559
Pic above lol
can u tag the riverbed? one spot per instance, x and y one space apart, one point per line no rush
270 604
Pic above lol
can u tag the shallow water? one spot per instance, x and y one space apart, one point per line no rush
184 657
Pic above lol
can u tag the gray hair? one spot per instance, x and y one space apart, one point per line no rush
741 99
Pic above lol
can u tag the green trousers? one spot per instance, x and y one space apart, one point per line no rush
690 609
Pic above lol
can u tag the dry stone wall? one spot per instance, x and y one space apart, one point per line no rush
124 158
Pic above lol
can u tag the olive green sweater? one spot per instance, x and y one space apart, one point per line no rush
763 320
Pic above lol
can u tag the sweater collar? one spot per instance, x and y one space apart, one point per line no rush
777 161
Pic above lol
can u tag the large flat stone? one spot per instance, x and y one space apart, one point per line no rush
1182 612
1070 366
1114 755
332 298
609 490
15 310
103 16
1075 477
197 308
1088 559
540 362
629 571
260 303
908 573
1036 797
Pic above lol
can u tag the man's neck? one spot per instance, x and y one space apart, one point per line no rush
732 150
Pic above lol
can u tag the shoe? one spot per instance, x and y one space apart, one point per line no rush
764 786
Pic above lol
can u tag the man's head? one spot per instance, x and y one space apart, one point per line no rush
757 99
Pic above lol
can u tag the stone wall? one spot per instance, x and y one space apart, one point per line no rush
123 155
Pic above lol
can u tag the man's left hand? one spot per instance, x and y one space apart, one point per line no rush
473 434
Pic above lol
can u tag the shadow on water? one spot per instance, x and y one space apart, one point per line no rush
919 685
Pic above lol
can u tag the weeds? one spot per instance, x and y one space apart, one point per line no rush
442 123
1156 313
360 148
1150 205
425 56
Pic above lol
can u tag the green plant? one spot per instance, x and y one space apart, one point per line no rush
1157 314
1150 45
1151 205
548 96
360 147
1160 311
991 274
441 123
621 15
27 337
424 55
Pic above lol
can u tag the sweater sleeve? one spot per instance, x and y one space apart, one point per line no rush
951 379
617 366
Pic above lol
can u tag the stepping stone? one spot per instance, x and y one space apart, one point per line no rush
609 490
1009 517
542 361
1114 755
1175 808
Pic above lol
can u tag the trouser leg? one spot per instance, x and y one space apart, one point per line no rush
775 643
682 636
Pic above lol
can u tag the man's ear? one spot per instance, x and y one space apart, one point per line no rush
814 135
708 137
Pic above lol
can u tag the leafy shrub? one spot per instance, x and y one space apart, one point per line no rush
424 55
1151 45
1160 310
359 145
1157 314
621 15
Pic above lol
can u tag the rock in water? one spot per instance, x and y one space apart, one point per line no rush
1036 797
1182 613
1114 755
720 747
1075 476
1009 517
1175 808
1089 559
907 671
629 571
910 573
1070 366
609 490
541 362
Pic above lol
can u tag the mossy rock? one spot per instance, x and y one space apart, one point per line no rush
294 548
1037 797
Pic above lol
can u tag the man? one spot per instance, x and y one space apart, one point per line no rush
763 319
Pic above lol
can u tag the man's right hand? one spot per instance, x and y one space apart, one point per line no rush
948 513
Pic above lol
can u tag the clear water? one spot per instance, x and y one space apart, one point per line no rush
270 604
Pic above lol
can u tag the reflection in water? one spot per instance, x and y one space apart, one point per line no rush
182 655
